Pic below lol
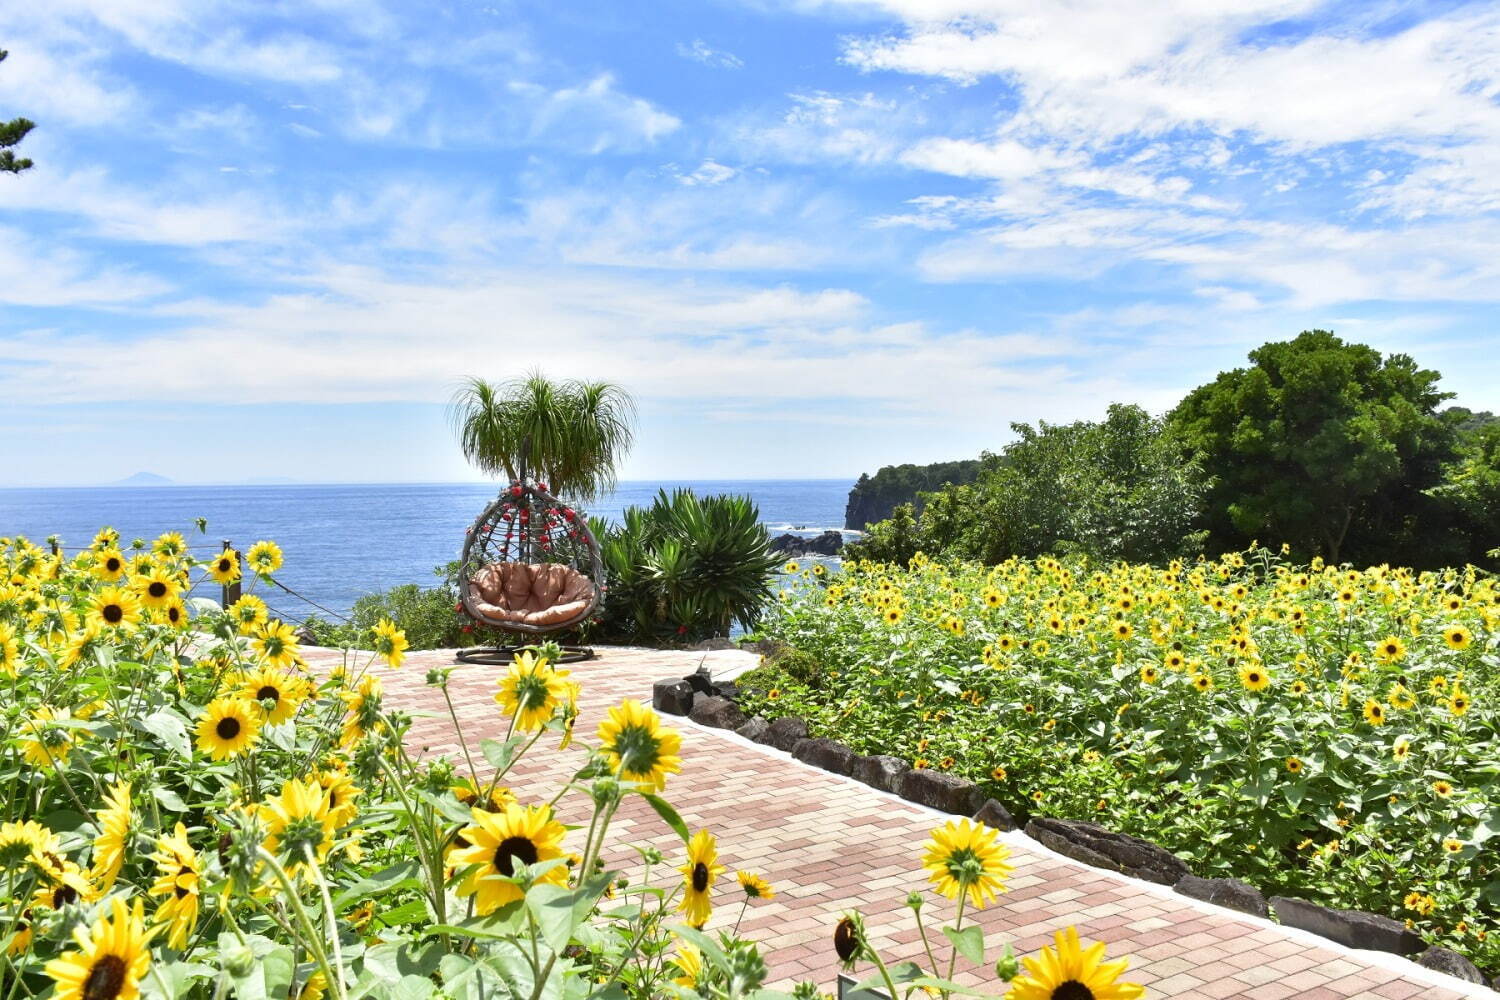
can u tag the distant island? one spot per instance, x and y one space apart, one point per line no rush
873 498
144 479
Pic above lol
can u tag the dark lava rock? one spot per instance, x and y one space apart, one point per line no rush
880 771
754 729
994 814
784 733
1451 962
829 543
943 792
1230 892
672 696
709 645
727 689
721 713
306 636
1351 928
830 755
701 682
1120 852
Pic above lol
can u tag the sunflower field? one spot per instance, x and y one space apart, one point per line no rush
188 810
1319 731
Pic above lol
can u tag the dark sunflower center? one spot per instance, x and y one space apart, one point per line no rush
268 692
63 895
700 877
113 613
106 979
173 614
113 565
509 850
845 940
1072 990
225 565
228 728
157 589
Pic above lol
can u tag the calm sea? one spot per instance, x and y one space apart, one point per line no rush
346 540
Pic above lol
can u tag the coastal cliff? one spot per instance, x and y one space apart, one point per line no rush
873 498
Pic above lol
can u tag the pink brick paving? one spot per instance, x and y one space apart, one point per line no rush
827 843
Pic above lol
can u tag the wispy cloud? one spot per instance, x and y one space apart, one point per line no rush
700 51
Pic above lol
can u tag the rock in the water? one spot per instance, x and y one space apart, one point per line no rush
830 755
1351 928
1451 962
880 771
943 792
784 733
672 696
721 713
1120 852
754 729
829 543
1230 892
994 814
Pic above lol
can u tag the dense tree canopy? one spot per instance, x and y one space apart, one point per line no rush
1321 443
874 498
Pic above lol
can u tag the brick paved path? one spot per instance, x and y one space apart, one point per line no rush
828 843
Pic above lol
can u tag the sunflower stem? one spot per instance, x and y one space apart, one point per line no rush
314 939
328 914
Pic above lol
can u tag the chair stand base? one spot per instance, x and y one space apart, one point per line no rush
499 656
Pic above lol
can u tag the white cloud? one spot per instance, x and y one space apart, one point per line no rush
33 273
708 174
597 118
701 51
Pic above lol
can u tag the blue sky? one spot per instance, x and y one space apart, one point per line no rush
266 239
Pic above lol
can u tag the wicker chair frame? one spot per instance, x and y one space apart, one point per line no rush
527 524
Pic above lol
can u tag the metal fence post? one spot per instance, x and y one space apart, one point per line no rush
231 590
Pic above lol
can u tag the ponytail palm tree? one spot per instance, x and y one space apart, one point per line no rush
569 434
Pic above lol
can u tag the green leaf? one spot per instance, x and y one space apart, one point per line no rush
169 798
559 911
665 811
968 942
168 727
501 755
399 876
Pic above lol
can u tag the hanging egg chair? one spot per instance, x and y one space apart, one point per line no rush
531 567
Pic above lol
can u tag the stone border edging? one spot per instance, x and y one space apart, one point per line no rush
1084 842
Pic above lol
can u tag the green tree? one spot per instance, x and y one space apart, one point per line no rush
1113 489
569 434
1472 487
1321 443
11 134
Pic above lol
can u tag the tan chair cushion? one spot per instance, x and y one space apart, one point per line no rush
530 593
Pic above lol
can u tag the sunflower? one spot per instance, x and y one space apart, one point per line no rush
341 792
1072 973
362 706
1459 703
111 958
1401 749
276 643
964 858
114 608
169 544
224 568
115 821
1374 712
998 773
1400 696
228 727
755 887
177 873
1453 846
1442 789
156 589
298 821
688 962
1123 631
638 747
1457 637
1390 649
1255 678
264 557
46 744
1298 689
698 877
174 614
390 642
495 842
109 564
267 684
248 613
1294 765
1150 675
892 615
848 938
23 841
531 691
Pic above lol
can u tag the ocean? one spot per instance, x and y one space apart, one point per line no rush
342 541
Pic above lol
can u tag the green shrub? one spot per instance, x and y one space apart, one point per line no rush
686 568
